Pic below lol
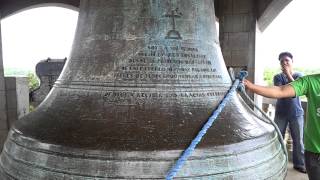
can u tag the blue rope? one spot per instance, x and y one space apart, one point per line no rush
185 155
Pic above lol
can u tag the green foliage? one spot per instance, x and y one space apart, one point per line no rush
31 108
33 81
268 75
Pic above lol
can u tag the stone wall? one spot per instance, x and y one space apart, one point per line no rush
3 108
17 92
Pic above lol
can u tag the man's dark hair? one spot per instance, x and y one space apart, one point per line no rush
281 55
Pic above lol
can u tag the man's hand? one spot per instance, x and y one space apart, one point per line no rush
247 84
287 70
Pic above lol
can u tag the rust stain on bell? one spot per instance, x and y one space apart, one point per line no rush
142 79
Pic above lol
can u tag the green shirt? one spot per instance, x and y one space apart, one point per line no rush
310 86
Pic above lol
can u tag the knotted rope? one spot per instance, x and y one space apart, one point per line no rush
185 155
237 85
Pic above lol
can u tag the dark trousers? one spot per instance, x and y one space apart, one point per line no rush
312 165
296 130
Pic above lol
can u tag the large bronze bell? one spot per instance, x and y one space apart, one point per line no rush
142 78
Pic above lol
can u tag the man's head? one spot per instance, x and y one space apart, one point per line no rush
285 58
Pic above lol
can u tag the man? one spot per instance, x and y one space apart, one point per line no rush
289 111
309 86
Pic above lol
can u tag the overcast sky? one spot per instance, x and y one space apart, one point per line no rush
296 29
36 34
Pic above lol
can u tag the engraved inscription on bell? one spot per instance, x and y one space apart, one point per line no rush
168 64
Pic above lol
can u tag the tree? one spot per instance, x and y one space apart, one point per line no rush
33 81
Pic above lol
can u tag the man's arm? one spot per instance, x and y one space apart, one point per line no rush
271 92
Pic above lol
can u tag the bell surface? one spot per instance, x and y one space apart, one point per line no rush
142 78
